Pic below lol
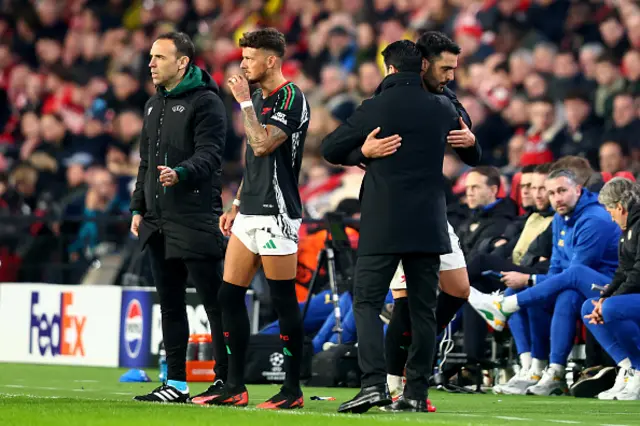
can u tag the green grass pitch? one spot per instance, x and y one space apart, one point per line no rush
64 396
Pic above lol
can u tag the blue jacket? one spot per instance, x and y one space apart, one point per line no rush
587 236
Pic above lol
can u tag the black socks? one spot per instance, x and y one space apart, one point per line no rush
283 296
236 330
446 308
398 338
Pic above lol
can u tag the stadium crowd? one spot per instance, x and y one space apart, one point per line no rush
542 80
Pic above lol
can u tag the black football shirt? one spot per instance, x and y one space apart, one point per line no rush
271 182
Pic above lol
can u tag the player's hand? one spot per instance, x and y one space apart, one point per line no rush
135 224
513 279
500 243
227 219
595 317
378 148
239 87
168 176
463 138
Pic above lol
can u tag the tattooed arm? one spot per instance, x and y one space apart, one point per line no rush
263 141
239 189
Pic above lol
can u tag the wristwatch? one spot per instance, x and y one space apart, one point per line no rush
531 281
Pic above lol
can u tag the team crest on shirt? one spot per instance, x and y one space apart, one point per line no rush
629 234
560 243
473 227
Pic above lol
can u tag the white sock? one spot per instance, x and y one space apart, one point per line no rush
394 382
625 364
510 304
537 365
525 361
558 369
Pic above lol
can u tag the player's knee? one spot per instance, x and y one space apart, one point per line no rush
455 283
230 294
398 294
587 307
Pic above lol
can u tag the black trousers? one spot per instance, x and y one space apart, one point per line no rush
170 278
474 326
372 278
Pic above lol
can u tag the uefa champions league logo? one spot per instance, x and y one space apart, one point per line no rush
277 360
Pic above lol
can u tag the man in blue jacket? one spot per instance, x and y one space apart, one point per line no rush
585 242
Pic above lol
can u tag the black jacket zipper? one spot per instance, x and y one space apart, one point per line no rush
159 157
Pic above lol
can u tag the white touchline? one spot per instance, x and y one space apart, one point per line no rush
512 418
569 422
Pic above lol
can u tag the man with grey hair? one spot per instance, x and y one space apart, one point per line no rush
613 317
585 243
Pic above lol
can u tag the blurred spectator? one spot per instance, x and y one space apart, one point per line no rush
583 131
562 77
625 125
543 134
334 93
614 157
99 201
609 83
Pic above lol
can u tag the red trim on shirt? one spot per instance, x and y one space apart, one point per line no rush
279 87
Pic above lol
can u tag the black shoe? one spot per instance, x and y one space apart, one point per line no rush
231 398
164 393
212 392
593 381
372 396
405 405
284 400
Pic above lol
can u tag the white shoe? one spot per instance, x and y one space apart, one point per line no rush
328 345
631 392
489 307
618 386
518 385
549 384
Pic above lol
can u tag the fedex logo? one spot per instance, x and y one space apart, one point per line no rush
60 332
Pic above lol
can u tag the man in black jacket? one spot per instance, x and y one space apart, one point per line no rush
440 58
403 218
176 203
614 318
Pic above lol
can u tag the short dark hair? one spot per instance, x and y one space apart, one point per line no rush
577 94
566 173
568 52
404 55
433 43
531 168
184 45
543 169
542 99
491 173
580 167
265 38
624 147
607 57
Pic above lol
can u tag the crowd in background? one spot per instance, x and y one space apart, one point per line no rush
540 79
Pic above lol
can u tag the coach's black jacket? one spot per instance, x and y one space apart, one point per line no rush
402 196
627 277
184 129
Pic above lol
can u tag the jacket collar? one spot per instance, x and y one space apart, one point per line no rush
399 79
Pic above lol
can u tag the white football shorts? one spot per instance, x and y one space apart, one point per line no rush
453 260
267 235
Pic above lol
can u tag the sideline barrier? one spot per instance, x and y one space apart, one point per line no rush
97 325
59 324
